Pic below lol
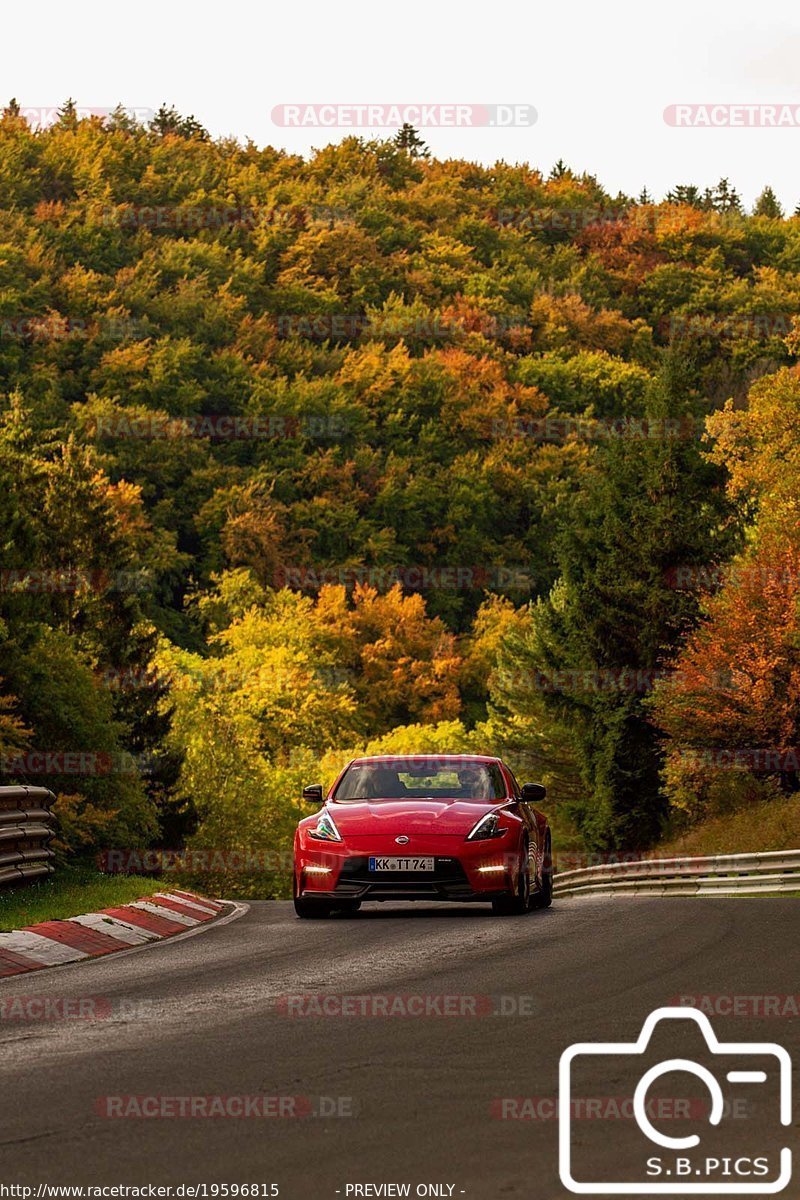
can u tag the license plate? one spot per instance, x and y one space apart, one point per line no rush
402 864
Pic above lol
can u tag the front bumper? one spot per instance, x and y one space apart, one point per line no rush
332 872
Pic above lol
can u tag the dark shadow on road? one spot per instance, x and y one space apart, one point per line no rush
469 912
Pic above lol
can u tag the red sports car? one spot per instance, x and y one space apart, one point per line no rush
455 827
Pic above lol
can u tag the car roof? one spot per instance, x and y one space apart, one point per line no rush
454 758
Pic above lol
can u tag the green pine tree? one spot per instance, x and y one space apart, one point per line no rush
686 193
169 121
407 138
68 115
651 504
723 198
120 118
767 205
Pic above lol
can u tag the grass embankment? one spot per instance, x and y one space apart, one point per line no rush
774 825
71 891
232 885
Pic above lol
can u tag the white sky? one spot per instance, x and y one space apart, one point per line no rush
599 74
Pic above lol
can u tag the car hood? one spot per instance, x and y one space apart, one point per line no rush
356 818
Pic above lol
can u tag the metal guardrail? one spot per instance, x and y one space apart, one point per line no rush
723 875
27 827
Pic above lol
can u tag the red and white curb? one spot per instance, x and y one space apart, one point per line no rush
94 934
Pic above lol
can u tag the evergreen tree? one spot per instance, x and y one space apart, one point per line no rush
142 708
767 205
407 138
166 121
598 641
68 115
191 128
723 198
686 193
120 118
169 121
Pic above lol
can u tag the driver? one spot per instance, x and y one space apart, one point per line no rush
474 782
384 784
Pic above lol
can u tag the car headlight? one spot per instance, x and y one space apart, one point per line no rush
325 829
488 827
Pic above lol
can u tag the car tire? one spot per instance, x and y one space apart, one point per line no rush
520 902
312 910
348 908
543 898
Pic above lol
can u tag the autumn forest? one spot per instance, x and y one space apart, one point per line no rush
301 458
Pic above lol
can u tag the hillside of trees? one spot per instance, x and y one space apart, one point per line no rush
372 451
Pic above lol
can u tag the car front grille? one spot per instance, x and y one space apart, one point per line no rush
448 880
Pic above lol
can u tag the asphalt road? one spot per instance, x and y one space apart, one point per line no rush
417 1097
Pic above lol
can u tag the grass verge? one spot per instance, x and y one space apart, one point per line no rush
71 891
260 885
774 825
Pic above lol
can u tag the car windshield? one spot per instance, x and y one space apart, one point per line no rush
420 778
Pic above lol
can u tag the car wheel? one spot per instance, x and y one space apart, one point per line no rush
543 898
520 901
348 907
312 909
309 909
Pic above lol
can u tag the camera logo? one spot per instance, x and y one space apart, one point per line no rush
751 1079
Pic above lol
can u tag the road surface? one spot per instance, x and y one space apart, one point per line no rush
417 1099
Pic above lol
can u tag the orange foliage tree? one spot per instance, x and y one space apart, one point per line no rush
735 686
406 667
736 682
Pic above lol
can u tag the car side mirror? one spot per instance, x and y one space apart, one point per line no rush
533 793
313 793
